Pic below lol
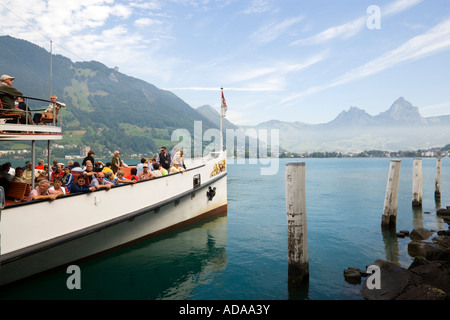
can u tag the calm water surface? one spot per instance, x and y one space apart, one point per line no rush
244 255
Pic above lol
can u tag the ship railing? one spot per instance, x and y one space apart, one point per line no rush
53 119
204 159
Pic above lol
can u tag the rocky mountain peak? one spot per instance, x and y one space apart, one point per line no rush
402 111
354 116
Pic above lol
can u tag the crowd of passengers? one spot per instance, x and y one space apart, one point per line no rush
59 179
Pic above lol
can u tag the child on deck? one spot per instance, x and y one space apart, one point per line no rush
119 178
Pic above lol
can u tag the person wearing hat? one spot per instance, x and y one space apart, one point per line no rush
177 163
146 173
8 95
179 159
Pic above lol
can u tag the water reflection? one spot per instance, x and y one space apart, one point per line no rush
300 293
171 266
440 221
391 243
437 202
417 217
199 254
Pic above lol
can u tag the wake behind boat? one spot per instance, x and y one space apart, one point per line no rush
40 235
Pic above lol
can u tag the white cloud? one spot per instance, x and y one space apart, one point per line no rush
258 6
399 6
435 40
276 70
145 22
272 31
91 30
350 29
147 5
264 78
344 31
57 19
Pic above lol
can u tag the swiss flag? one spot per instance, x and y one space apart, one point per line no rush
224 105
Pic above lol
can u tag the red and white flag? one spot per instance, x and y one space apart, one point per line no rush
224 105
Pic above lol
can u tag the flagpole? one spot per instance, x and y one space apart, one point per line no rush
221 122
51 66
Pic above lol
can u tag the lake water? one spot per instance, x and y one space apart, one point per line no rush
243 256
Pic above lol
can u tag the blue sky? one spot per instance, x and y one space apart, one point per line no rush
302 60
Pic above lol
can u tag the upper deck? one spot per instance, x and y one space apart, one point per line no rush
48 129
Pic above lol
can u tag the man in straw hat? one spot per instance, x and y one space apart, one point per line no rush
8 95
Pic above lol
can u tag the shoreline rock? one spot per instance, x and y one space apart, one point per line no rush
354 275
443 212
425 281
427 278
428 250
421 234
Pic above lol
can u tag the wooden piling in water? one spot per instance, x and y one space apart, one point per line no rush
417 183
391 197
437 192
298 268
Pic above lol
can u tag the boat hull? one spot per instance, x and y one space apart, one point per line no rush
76 227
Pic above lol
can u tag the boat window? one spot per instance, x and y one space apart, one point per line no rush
197 181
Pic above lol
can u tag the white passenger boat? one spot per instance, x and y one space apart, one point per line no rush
40 235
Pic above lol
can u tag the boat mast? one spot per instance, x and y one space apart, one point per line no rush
51 89
33 158
51 63
221 120
221 123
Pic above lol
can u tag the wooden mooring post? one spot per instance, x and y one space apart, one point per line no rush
437 191
417 183
391 198
298 268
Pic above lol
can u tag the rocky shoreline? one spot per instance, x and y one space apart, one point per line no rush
428 276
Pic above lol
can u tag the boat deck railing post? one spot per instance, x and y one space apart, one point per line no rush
33 159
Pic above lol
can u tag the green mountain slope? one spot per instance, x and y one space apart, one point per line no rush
106 109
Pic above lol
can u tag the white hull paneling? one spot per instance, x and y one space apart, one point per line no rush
15 132
46 234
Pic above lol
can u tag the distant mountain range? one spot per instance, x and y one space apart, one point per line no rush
401 127
402 113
